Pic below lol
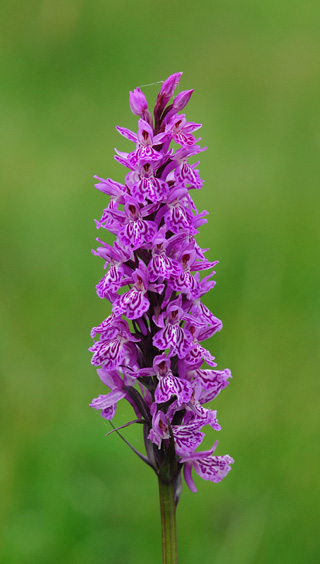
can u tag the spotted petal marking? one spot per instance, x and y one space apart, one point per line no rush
184 173
133 304
212 381
169 386
186 283
184 139
110 282
198 354
162 266
177 218
137 232
143 154
186 440
175 338
151 188
206 315
105 327
213 468
108 353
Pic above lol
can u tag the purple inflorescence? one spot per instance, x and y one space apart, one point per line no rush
150 349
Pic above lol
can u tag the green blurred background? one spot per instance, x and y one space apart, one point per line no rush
68 494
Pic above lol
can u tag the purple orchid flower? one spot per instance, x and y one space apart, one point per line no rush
154 281
181 130
208 467
144 185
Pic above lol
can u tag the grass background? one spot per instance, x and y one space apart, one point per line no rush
69 495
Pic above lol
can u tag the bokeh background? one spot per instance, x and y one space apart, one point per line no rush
68 494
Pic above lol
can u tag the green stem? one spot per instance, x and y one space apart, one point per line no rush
168 522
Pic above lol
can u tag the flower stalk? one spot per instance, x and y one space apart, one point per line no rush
168 521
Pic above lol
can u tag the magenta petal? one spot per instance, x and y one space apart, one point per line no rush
136 233
104 401
213 468
127 134
212 381
133 304
161 266
199 455
109 412
161 339
187 468
181 341
172 386
155 438
186 439
164 390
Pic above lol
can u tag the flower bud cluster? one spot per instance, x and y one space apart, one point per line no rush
150 349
